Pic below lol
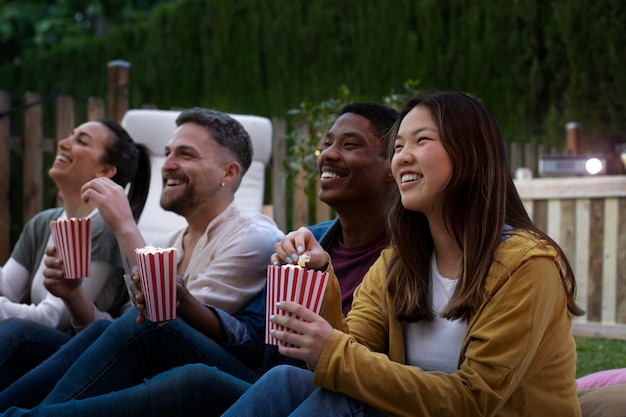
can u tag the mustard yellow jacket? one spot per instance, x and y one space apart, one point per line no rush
518 357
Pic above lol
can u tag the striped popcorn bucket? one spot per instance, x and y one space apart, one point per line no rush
157 272
291 283
72 238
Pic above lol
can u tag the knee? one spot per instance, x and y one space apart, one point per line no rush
195 373
19 328
288 374
201 378
87 336
97 327
126 324
191 378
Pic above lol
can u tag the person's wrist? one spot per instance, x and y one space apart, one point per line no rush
184 300
327 264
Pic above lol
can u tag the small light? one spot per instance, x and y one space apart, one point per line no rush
593 166
571 165
317 152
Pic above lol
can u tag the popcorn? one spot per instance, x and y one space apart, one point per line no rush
157 272
152 249
303 259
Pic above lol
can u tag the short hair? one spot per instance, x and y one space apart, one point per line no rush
381 117
227 132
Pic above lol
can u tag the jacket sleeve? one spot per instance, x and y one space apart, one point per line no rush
506 342
245 332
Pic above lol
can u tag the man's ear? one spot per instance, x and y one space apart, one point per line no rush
232 172
389 175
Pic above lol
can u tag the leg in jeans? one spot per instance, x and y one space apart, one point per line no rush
190 390
126 353
276 394
330 403
289 391
25 344
32 388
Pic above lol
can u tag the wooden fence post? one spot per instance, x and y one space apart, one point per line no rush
300 200
515 157
530 158
65 120
572 138
322 210
63 125
95 108
32 142
279 152
5 179
117 100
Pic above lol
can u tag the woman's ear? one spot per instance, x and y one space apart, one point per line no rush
107 170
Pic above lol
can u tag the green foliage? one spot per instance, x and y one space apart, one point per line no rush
536 64
397 99
28 24
310 121
596 354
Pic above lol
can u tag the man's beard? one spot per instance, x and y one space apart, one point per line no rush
182 204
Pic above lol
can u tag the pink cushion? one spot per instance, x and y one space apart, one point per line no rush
602 379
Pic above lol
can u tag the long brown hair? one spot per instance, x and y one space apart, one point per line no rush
479 200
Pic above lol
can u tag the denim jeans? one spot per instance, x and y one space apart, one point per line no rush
127 353
25 344
189 390
289 391
32 388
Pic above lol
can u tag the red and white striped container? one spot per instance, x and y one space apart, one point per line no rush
292 283
72 238
157 270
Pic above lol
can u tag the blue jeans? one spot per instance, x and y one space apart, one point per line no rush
25 344
190 390
289 391
33 387
127 352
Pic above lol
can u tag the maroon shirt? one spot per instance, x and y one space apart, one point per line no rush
351 264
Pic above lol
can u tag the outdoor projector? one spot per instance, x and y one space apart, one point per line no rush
572 165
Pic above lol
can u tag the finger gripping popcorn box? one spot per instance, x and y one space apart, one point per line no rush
157 272
72 238
292 283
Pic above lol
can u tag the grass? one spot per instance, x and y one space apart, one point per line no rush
595 354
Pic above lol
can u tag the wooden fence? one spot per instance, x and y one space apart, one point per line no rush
586 215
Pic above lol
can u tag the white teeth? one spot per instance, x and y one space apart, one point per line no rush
328 174
174 182
61 158
408 177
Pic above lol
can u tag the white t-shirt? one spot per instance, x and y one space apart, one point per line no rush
436 345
